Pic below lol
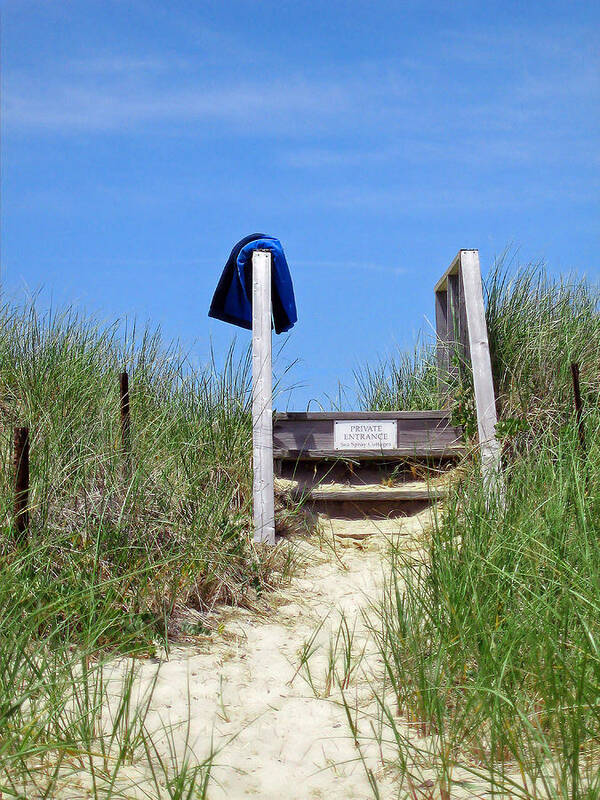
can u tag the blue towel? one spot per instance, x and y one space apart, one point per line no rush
232 301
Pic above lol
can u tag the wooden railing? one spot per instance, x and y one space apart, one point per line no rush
462 339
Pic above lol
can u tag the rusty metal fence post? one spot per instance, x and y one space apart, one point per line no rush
125 424
21 472
578 406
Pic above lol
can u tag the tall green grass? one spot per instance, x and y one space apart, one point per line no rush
404 381
114 559
538 325
491 644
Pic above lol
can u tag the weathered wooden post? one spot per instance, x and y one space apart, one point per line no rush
461 324
262 390
479 351
125 423
21 468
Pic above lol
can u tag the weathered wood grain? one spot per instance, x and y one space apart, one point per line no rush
474 345
421 452
485 400
452 270
372 495
262 391
452 324
441 349
315 415
463 328
417 432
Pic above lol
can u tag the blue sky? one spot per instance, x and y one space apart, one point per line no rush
141 140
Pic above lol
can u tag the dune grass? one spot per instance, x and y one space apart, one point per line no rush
492 649
491 645
405 380
116 558
537 326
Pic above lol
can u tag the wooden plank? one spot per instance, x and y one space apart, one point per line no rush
296 441
319 434
262 392
441 348
446 451
326 444
453 334
483 385
326 426
303 434
442 284
429 437
369 495
463 328
303 426
321 415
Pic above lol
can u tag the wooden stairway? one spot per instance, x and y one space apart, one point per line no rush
358 501
361 492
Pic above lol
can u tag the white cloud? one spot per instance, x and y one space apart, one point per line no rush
480 103
120 93
421 102
481 196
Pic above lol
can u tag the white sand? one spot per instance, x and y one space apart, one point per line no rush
241 692
242 689
276 730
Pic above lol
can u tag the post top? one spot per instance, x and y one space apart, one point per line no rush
453 268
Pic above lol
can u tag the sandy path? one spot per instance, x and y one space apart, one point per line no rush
240 690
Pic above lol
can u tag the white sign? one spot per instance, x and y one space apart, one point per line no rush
365 434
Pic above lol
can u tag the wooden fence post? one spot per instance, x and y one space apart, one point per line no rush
578 406
125 423
21 469
262 390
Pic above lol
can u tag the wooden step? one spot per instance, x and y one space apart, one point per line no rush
366 500
368 494
408 528
361 529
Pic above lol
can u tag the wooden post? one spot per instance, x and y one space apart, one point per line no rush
452 290
442 349
461 290
464 347
485 400
21 466
125 423
578 406
262 391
